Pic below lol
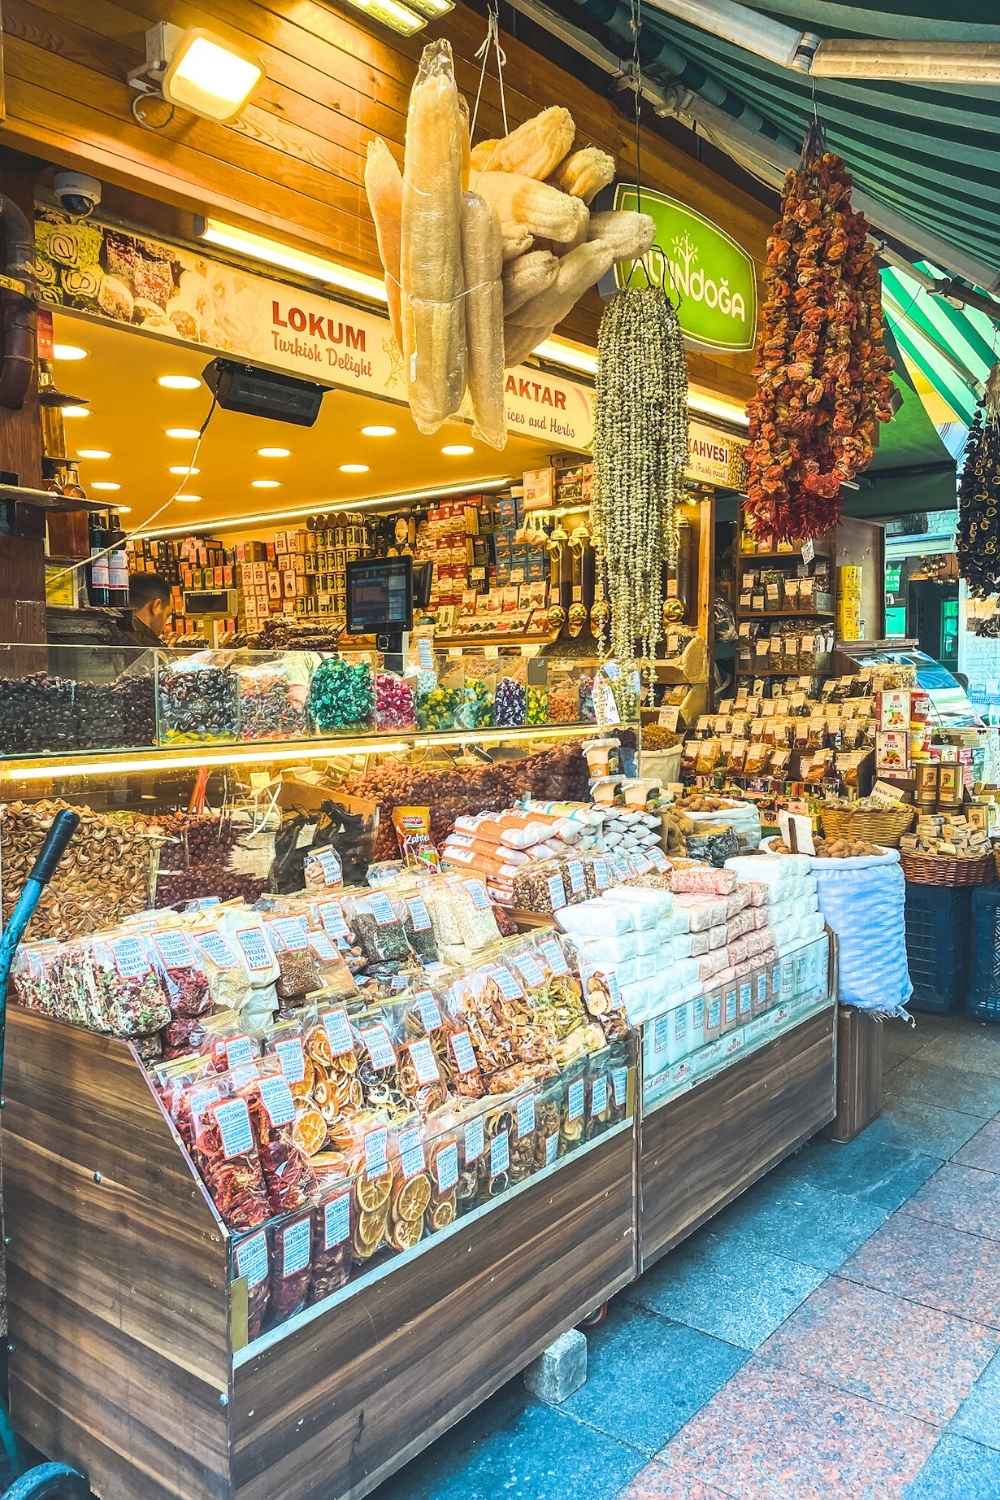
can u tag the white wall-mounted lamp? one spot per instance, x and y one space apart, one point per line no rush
194 70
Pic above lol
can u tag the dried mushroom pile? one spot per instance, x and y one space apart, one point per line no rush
487 249
106 873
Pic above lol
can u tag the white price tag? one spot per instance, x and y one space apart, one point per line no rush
427 1009
525 1117
131 957
419 915
602 875
376 1149
296 1247
424 1062
732 1007
380 908
576 877
379 1047
461 1047
446 1167
333 921
661 1033
554 957
574 1101
746 1000
507 984
411 1151
551 1148
557 892
762 989
475 1141
338 1032
239 1049
322 947
599 1096
530 971
253 945
336 1221
499 1153
658 859
619 1082
215 947
292 1059
251 1259
233 1119
278 1101
293 933
477 894
175 950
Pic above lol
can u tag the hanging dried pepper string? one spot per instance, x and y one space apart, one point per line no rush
823 370
977 537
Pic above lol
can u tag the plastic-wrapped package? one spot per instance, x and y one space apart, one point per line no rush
574 1106
596 919
333 1224
410 1194
473 912
298 966
476 708
252 1261
510 705
411 908
598 1106
272 698
377 928
227 1157
443 1169
395 702
129 994
341 696
197 698
239 962
323 870
182 972
291 1183
539 888
291 1267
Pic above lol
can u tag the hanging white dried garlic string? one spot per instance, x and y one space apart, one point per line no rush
640 453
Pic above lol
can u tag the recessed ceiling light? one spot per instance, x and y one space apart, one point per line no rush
183 469
274 452
457 450
68 351
124 510
377 431
187 434
92 453
188 499
75 411
179 382
354 468
265 484
104 484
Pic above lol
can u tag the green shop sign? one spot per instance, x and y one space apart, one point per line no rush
714 277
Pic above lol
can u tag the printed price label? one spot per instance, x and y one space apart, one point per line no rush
336 1221
530 971
379 1047
292 1059
244 1074
427 1009
557 892
475 1141
661 1033
251 1259
762 989
424 1062
296 1247
278 1101
576 877
198 1101
411 1151
554 957
525 1117
507 984
698 1013
419 915
399 984
619 1082
465 1058
338 1032
446 1167
376 1148
214 946
602 875
380 908
477 894
680 1016
574 1101
239 1049
599 1096
322 947
745 1000
425 653
620 865
233 1119
731 1007
641 864
333 921
175 950
551 1148
500 1153
254 948
293 933
329 863
131 957
715 1012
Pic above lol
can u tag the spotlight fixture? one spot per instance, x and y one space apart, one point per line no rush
197 71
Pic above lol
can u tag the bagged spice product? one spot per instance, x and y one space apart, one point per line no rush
182 973
333 1223
412 911
251 1260
291 1183
127 987
291 1268
473 912
298 966
377 928
226 1156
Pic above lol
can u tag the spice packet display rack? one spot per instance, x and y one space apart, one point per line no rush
84 699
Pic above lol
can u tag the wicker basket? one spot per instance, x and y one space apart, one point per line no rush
943 869
884 826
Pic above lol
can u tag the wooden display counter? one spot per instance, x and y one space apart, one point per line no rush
698 1152
126 1359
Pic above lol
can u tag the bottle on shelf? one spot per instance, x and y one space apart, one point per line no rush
98 569
117 563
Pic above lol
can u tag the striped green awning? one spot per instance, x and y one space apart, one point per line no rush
930 152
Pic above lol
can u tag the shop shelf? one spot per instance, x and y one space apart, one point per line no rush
937 945
982 998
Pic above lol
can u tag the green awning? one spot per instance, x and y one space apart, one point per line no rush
931 152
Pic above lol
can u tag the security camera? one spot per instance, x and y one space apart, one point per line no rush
78 194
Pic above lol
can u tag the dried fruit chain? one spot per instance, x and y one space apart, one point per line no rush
977 539
823 371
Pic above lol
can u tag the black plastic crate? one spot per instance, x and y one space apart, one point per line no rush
938 926
982 998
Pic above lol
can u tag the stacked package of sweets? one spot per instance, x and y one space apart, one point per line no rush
197 699
272 699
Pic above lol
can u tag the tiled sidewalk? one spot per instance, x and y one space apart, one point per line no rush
833 1335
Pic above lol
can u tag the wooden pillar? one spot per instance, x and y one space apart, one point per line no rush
859 1072
22 527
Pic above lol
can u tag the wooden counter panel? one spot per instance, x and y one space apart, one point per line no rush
116 1273
702 1150
347 1399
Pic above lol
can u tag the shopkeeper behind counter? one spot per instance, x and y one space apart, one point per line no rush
149 600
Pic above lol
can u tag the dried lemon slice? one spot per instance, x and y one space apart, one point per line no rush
411 1200
373 1192
310 1131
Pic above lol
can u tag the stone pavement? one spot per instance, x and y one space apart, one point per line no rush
833 1335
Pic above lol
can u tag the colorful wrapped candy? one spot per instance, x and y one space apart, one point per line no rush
341 696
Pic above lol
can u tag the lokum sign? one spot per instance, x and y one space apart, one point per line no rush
179 294
713 277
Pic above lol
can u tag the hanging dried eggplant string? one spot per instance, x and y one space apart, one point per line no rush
977 537
640 446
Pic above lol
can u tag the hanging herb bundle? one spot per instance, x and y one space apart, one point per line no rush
640 454
977 538
823 371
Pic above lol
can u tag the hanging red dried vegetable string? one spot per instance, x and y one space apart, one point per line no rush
823 371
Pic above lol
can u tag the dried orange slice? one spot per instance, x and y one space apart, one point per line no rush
345 1062
411 1198
373 1192
443 1213
300 1090
405 1233
310 1131
368 1235
330 1163
318 1047
322 1094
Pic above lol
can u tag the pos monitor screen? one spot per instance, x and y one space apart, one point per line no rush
380 596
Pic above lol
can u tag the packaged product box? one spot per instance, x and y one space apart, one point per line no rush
892 750
539 489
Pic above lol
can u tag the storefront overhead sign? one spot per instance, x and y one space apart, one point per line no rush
713 277
181 295
714 458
